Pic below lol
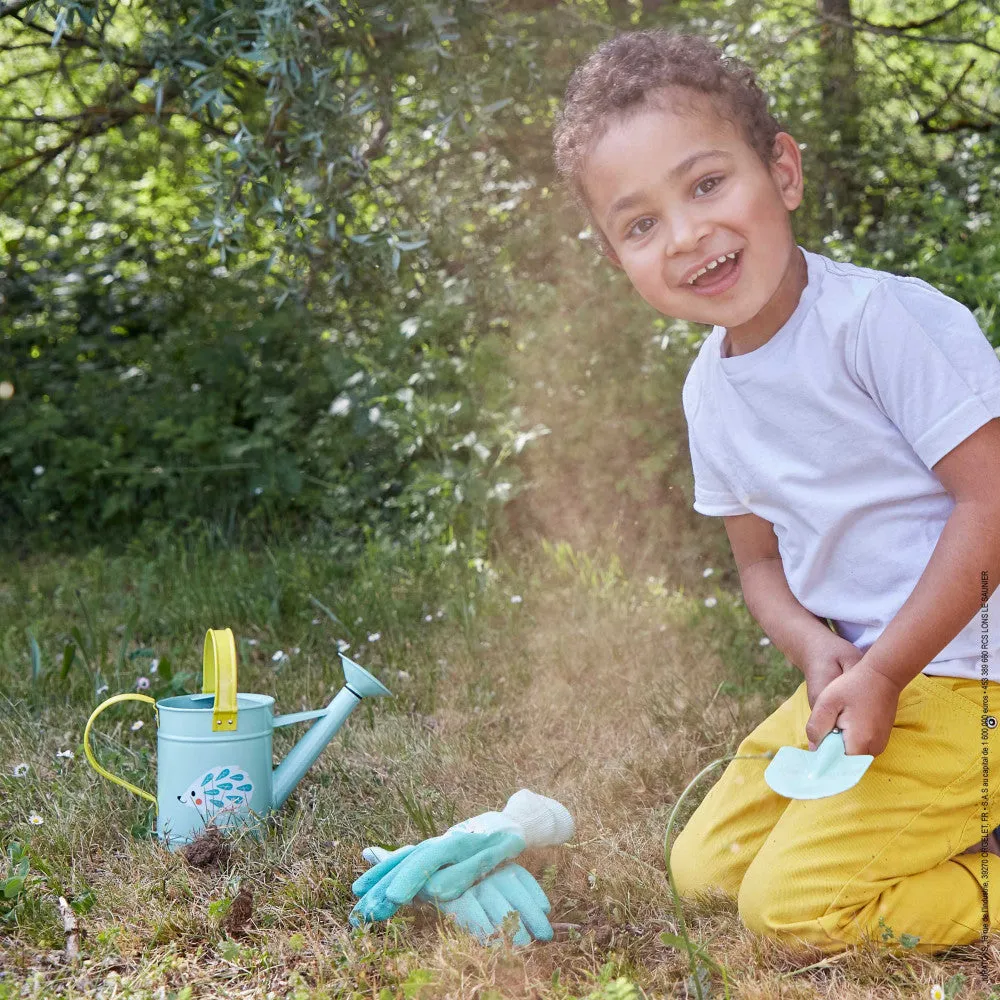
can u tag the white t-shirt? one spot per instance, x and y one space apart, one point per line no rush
829 432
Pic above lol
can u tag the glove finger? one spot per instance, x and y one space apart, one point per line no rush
531 886
455 879
427 857
470 916
497 907
376 855
374 875
371 907
532 915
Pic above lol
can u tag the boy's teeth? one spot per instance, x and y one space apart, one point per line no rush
711 265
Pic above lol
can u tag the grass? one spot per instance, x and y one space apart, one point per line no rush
608 693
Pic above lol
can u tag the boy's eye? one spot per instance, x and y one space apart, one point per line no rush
708 185
635 230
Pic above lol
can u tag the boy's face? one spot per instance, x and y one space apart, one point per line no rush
673 192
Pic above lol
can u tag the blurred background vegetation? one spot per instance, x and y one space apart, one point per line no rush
305 267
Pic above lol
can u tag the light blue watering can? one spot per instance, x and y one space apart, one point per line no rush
214 762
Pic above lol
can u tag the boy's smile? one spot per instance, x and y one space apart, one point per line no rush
696 220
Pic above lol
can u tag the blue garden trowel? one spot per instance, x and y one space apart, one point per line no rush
816 774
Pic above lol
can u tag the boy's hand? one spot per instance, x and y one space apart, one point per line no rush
862 703
827 657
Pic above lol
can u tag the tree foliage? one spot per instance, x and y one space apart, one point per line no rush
302 262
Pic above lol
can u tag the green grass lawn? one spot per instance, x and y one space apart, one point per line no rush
562 675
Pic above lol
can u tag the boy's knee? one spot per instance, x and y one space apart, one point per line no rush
694 869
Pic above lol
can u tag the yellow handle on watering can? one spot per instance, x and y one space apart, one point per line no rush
90 753
219 676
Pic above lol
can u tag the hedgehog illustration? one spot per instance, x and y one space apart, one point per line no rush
219 790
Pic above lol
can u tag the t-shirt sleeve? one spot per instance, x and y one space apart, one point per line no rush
925 362
712 494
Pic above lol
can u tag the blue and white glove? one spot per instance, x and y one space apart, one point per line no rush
444 867
481 910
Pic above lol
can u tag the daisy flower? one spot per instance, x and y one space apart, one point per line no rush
20 770
68 754
137 725
142 684
764 642
35 820
710 602
937 992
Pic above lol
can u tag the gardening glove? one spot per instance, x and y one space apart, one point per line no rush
448 865
482 909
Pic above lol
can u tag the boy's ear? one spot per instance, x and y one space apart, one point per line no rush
786 169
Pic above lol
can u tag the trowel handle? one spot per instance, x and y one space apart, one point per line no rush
90 753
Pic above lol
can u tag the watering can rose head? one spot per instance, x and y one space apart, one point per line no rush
231 733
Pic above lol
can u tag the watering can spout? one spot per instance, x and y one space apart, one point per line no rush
359 684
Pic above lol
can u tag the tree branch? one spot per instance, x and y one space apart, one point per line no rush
908 25
882 29
13 7
923 120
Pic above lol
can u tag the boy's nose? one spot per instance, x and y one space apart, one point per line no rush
684 235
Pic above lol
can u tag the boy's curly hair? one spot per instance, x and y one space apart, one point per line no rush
620 76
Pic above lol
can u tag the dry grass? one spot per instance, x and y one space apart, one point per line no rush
607 695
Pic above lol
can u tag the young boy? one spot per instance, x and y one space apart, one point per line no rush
843 421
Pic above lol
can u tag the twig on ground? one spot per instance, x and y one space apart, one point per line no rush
69 926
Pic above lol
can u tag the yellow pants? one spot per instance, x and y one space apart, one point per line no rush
825 872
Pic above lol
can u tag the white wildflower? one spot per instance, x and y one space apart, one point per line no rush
278 656
707 571
38 470
101 690
710 602
35 820
516 599
937 992
764 642
6 390
20 770
342 647
340 406
67 754
402 675
374 636
428 618
154 665
137 725
142 684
